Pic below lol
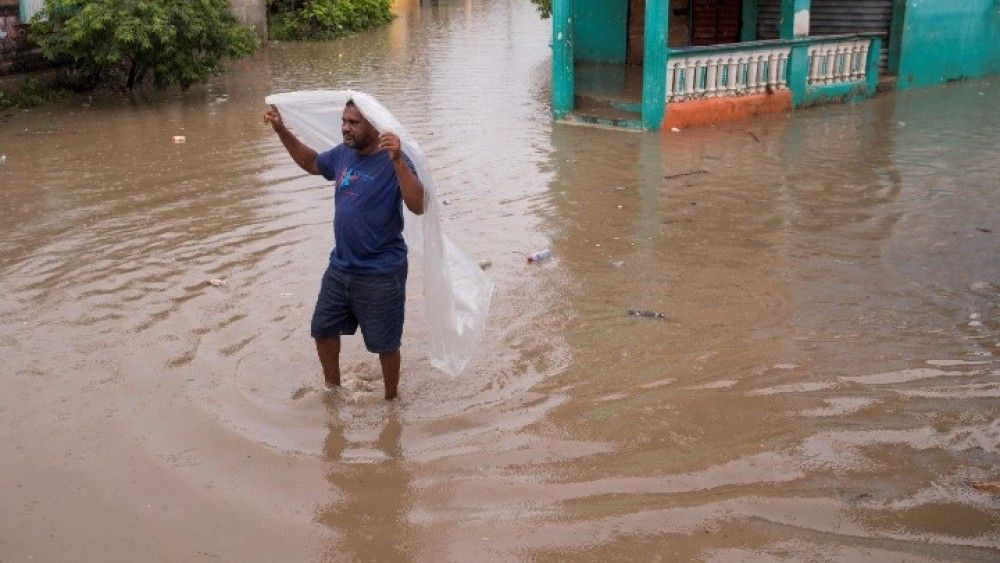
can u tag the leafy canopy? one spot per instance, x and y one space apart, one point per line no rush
325 19
128 42
544 7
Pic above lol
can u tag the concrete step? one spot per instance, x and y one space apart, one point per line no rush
589 101
606 117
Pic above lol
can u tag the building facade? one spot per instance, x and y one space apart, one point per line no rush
657 64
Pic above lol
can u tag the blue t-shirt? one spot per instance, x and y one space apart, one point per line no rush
368 210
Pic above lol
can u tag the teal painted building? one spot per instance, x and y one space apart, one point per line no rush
634 63
944 40
29 8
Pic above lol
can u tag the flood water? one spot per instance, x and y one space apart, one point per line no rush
823 384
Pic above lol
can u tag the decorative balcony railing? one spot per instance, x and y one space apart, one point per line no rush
838 62
734 72
741 69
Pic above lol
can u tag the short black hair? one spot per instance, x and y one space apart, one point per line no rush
350 103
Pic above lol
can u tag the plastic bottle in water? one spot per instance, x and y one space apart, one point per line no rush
540 256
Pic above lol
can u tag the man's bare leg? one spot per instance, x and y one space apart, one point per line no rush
390 373
329 357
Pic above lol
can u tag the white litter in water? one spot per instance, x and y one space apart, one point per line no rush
456 291
674 130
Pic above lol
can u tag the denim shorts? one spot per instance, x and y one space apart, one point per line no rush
374 301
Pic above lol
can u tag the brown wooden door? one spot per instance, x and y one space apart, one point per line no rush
636 31
678 34
715 21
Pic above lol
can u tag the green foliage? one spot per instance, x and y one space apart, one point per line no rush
128 42
325 19
29 95
544 7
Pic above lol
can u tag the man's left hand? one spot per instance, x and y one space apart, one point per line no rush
390 142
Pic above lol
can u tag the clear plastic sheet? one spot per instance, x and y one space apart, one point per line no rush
456 291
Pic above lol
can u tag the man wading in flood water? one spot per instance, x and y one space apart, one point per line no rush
365 282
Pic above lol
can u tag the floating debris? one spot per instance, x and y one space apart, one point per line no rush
646 314
485 264
215 282
674 130
753 136
178 139
540 256
682 174
987 486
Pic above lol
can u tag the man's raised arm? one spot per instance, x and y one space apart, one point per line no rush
304 156
410 186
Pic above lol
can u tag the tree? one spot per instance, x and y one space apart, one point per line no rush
544 7
325 19
128 42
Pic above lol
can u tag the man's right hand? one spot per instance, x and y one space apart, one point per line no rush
273 117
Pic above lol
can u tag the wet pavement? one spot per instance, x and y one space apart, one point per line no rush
822 383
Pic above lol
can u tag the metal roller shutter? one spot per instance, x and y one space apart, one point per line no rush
768 18
833 17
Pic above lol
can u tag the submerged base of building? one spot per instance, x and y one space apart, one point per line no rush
679 66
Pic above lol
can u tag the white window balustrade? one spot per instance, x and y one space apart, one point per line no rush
735 73
838 63
731 71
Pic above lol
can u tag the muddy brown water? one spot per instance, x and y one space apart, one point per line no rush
823 385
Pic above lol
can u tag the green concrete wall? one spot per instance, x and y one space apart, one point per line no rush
748 25
946 40
562 59
600 30
654 67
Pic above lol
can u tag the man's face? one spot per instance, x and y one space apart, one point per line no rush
358 133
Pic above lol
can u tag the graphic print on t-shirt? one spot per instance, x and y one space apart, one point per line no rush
349 176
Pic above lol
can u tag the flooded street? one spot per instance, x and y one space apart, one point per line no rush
823 383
